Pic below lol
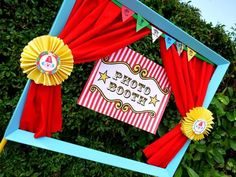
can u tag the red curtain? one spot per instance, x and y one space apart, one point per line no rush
42 111
96 32
189 82
93 30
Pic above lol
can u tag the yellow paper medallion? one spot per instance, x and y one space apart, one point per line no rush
197 123
47 60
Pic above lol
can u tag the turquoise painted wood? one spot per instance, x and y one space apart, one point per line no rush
15 119
25 137
14 134
172 30
214 83
62 17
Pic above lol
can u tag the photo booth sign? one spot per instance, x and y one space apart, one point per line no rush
128 87
52 60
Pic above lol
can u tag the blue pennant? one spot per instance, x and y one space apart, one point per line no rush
169 41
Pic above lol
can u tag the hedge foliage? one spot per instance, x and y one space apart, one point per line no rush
21 21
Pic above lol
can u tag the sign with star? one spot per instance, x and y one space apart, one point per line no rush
129 87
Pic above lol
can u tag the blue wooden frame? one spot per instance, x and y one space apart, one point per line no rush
13 133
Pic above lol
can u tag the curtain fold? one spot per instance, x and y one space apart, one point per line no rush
93 30
100 33
42 110
189 81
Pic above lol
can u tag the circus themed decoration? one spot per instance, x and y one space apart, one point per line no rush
47 60
124 85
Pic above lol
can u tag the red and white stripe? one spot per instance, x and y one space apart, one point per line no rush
143 121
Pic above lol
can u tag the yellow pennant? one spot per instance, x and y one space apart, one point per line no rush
191 53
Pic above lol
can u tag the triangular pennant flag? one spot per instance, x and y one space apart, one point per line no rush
169 41
190 53
156 33
126 13
180 47
141 23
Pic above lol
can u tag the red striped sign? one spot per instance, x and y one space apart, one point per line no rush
129 87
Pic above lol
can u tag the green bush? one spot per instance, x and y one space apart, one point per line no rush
21 21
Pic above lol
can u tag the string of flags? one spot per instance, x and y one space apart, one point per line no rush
156 33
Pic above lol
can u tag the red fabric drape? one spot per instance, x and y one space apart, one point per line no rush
189 82
42 111
98 32
94 30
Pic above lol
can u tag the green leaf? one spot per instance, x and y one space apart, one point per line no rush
201 147
224 99
161 130
231 116
219 107
179 172
191 172
230 91
233 144
218 157
232 132
139 154
225 123
218 174
197 156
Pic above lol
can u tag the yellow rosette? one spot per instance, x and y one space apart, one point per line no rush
197 123
47 60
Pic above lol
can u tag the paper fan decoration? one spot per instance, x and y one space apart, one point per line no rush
197 123
47 60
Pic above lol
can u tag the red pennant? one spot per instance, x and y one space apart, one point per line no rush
126 13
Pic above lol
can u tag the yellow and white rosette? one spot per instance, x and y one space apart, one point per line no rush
47 60
197 124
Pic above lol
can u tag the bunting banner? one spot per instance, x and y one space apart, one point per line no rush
141 23
126 13
179 47
128 87
169 41
156 33
191 53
